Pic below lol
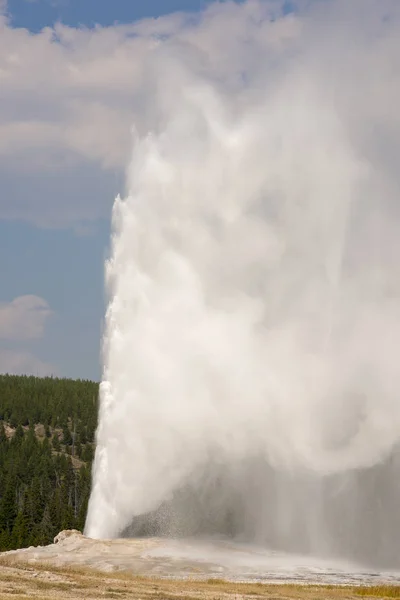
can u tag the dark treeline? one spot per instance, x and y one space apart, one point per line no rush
47 429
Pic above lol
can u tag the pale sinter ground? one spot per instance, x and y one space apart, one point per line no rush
194 560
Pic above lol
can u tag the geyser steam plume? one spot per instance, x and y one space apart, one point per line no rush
252 343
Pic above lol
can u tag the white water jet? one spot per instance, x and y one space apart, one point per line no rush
251 351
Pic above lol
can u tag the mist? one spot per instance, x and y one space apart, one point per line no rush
252 337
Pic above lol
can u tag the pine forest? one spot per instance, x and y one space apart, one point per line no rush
47 432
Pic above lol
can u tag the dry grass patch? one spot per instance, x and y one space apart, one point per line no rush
43 581
379 591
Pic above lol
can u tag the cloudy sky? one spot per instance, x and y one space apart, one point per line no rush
71 79
68 73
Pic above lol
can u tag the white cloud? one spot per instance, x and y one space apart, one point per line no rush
70 96
24 318
24 363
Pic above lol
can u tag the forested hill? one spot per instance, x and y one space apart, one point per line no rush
47 429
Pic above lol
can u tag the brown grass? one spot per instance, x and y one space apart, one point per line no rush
380 591
44 582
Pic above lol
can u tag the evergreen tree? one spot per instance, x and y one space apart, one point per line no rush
78 449
56 443
3 437
55 509
8 505
88 453
83 436
47 531
20 532
67 437
19 433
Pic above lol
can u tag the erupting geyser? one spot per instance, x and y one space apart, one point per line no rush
251 378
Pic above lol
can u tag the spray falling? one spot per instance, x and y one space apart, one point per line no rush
251 379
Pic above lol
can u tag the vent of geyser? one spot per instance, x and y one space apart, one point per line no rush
353 515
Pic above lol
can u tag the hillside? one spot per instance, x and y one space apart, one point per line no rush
47 429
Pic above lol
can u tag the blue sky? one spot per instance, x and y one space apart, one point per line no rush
35 14
56 205
67 270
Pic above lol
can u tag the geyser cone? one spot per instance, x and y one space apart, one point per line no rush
251 377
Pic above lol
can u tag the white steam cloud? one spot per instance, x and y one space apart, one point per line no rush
254 313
